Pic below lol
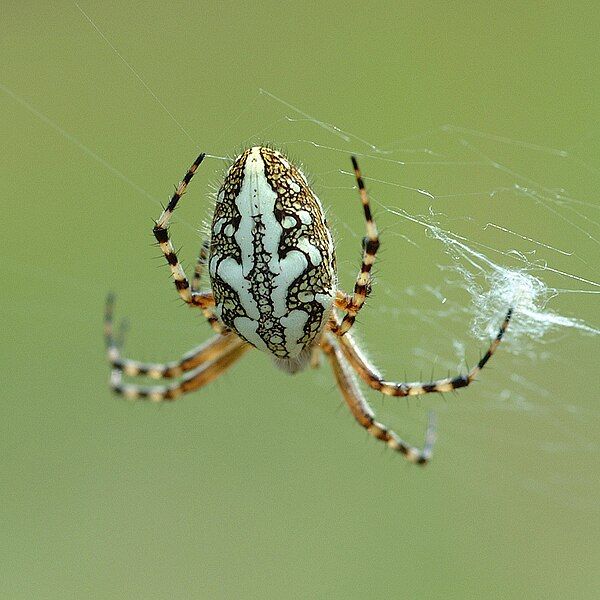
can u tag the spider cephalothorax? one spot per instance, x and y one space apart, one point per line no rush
272 270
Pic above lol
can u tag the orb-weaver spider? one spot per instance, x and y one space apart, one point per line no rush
272 268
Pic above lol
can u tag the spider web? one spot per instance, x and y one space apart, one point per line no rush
448 197
506 223
496 265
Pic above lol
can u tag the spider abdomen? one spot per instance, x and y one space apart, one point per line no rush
272 260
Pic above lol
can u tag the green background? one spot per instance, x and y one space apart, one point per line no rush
261 485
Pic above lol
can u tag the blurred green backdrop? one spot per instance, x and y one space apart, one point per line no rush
261 485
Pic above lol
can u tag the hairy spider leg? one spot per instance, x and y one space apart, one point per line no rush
192 380
364 415
206 352
371 376
351 305
208 313
203 300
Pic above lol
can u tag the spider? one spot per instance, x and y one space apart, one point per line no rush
272 268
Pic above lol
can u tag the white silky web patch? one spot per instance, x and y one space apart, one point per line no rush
493 288
529 296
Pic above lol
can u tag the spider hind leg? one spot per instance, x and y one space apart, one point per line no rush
364 415
205 353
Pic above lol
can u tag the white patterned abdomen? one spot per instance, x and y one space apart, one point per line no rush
271 262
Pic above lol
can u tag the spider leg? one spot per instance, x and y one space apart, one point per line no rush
162 237
351 305
201 354
363 413
209 314
200 265
192 380
371 376
315 357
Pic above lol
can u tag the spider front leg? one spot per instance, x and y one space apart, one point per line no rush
162 237
351 305
369 374
202 354
363 413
